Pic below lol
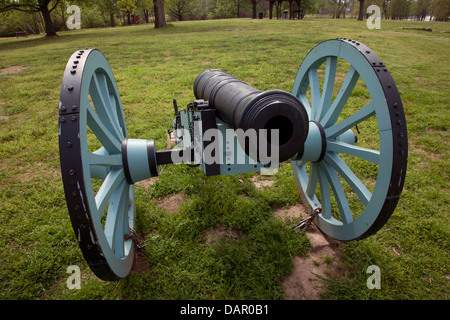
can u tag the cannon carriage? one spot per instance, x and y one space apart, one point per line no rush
232 128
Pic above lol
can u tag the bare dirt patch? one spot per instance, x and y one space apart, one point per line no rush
172 204
36 171
260 182
12 69
140 264
212 236
147 183
292 212
322 261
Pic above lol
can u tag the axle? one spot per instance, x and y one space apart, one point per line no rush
232 132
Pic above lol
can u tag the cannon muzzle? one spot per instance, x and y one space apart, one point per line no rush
243 107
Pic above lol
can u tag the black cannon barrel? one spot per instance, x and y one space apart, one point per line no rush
241 106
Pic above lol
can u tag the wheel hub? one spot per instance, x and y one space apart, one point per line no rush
315 145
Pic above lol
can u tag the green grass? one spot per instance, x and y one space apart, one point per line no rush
152 67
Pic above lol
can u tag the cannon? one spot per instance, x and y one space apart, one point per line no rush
332 135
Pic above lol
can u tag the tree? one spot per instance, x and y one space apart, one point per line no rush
237 3
127 6
441 10
14 20
361 10
339 8
307 6
399 9
31 6
180 9
145 6
385 6
160 16
221 9
110 7
254 2
420 9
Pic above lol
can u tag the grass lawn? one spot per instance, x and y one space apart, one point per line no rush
151 67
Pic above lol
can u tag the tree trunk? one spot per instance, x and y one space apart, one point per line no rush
63 16
278 7
291 10
299 8
49 26
253 9
271 3
113 22
361 10
160 17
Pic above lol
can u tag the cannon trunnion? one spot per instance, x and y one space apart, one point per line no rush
342 128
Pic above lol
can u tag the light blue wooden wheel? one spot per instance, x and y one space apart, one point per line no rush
353 180
91 130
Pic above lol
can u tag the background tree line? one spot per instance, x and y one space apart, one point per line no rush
50 16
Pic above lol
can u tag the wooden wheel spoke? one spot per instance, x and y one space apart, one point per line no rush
313 179
325 194
328 86
105 160
116 220
101 98
304 100
363 153
106 138
338 104
315 91
349 176
339 128
339 194
112 181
